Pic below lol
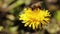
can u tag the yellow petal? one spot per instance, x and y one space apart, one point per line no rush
26 24
33 26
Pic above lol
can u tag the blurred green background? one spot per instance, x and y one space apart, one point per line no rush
9 16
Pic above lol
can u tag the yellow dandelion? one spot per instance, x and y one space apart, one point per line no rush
34 18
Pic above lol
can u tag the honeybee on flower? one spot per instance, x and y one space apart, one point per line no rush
34 16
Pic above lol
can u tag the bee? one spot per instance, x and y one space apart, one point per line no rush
36 5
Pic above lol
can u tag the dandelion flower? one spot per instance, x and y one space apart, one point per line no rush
34 18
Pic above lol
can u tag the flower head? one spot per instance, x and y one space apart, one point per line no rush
34 18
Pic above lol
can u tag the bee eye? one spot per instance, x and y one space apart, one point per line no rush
33 7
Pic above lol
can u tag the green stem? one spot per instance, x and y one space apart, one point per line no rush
9 1
16 4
